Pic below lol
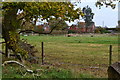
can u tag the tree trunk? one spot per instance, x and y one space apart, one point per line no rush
12 38
9 29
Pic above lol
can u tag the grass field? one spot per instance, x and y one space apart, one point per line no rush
84 56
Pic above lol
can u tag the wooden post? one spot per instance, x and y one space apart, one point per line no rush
42 45
110 55
6 50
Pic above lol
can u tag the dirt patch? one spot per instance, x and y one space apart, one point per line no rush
96 45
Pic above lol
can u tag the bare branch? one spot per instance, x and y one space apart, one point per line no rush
41 32
12 61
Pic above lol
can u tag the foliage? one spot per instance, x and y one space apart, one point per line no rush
72 31
14 44
107 3
65 10
97 31
88 15
101 30
59 23
27 26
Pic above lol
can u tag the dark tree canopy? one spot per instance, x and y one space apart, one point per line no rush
88 15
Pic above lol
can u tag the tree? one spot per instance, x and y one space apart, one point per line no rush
15 14
27 26
59 24
88 16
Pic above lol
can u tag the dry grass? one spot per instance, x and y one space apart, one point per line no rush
82 58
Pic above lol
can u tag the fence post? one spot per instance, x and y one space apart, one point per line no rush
110 55
6 50
42 45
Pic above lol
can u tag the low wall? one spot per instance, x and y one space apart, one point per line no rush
58 32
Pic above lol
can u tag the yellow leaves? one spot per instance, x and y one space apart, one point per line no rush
8 42
82 14
13 42
13 36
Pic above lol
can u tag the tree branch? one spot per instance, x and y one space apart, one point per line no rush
40 32
2 42
12 61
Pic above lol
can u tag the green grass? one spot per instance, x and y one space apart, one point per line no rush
14 71
17 72
80 39
78 53
79 57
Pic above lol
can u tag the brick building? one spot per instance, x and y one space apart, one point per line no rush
81 28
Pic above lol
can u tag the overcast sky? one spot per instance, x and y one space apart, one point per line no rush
104 16
119 11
